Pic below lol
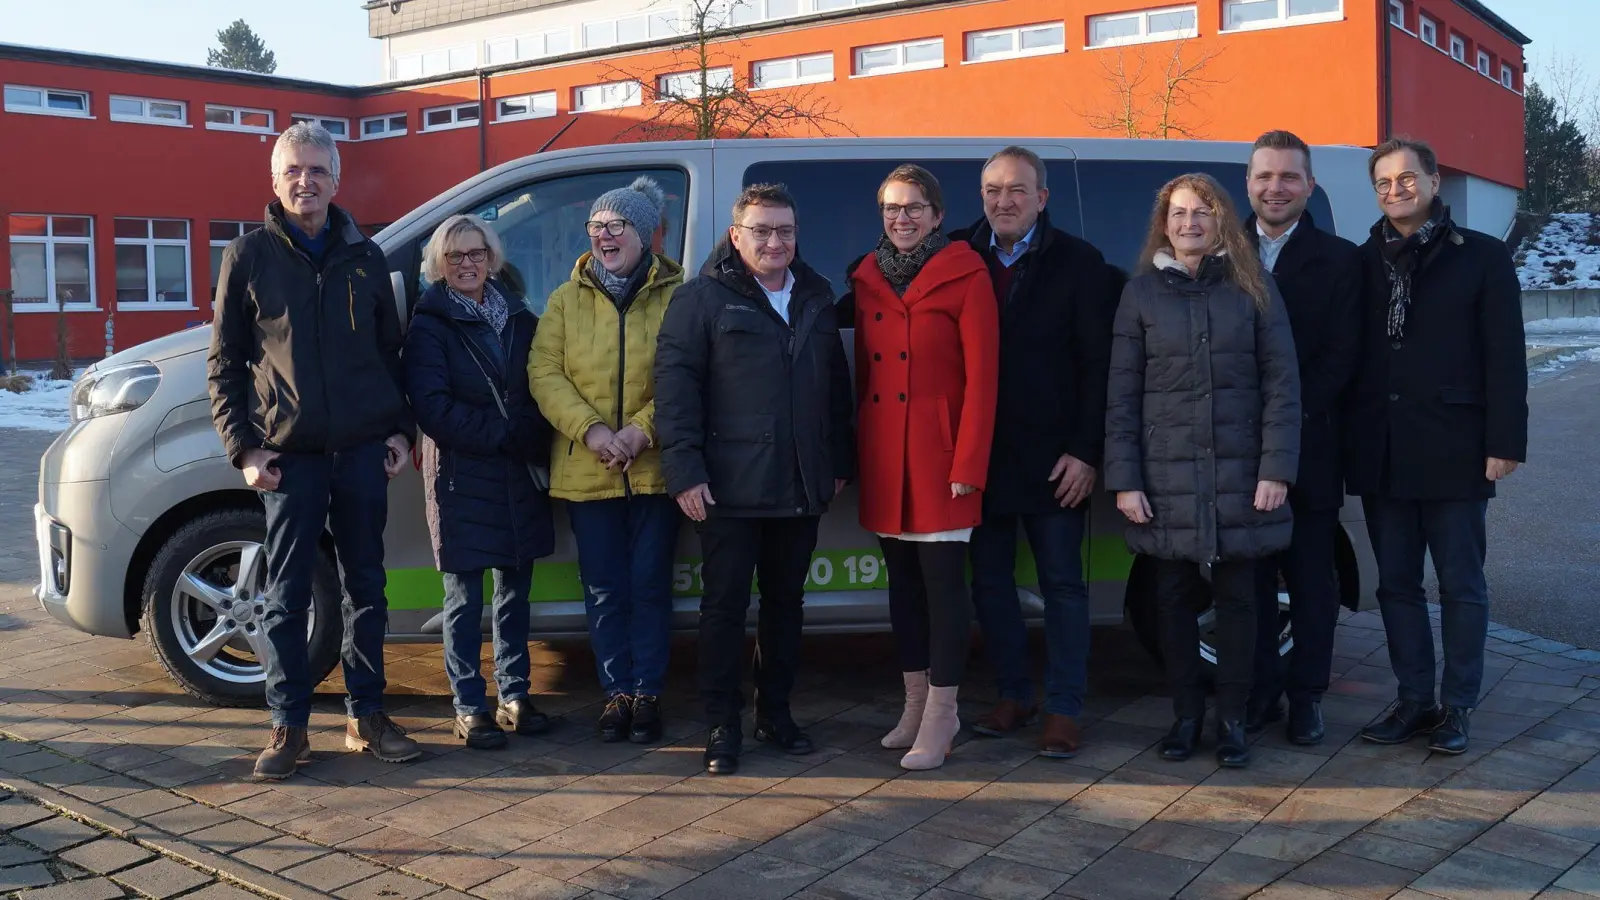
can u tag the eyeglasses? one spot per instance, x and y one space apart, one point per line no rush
1407 180
316 172
913 211
764 233
615 227
477 255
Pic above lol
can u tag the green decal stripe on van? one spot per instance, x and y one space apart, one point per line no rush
831 570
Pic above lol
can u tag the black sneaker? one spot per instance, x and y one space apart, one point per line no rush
646 720
617 720
1451 735
1406 720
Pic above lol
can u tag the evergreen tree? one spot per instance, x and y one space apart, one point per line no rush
242 49
1558 158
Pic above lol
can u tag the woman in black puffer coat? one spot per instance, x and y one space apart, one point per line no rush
484 443
1203 440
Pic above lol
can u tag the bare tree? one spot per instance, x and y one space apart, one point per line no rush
700 92
1157 99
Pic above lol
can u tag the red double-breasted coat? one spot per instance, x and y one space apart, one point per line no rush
927 372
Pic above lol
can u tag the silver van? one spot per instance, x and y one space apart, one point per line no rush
143 525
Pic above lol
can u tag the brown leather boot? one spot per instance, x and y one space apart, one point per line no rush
288 748
1060 738
1006 717
386 740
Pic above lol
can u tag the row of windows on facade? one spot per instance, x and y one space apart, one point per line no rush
1427 30
52 261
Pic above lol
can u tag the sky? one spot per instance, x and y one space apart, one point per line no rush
326 40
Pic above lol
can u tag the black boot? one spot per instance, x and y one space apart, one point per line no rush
616 722
722 750
782 730
1406 720
1233 750
480 731
646 720
1180 742
1451 735
1259 714
1305 723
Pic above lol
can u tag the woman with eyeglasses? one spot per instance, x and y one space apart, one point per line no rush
484 443
1202 442
590 370
927 373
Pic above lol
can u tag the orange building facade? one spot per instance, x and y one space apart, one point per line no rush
121 180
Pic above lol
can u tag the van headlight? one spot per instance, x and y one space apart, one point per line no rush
117 389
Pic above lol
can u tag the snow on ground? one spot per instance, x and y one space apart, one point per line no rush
1579 325
1567 359
43 407
1564 254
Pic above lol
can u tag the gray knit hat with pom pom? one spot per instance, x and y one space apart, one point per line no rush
640 203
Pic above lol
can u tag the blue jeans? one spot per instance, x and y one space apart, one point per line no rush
1453 532
349 493
1057 542
625 551
463 636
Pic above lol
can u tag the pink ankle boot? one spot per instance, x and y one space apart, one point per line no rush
939 726
916 698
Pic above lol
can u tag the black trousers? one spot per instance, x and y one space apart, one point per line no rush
930 607
1307 568
777 553
1233 590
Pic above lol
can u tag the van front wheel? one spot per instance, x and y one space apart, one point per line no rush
204 613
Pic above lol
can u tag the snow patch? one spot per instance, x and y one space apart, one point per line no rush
43 407
1579 325
1567 359
1564 254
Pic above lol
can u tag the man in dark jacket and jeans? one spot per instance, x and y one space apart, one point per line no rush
1057 297
1319 276
753 409
1439 415
308 397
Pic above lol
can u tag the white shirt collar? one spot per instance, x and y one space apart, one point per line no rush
1261 232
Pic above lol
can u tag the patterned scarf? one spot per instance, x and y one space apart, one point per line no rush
1402 257
900 268
621 288
493 310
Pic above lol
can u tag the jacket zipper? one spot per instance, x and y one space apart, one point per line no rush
622 368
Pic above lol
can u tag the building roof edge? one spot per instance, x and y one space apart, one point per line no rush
1493 20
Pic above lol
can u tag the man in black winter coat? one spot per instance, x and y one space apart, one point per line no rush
1058 297
753 410
1440 413
1319 275
308 396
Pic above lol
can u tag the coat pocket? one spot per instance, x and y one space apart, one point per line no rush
740 455
947 431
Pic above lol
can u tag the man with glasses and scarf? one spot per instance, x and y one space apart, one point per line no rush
1440 414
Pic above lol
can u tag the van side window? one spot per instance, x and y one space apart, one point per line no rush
1118 196
542 225
838 214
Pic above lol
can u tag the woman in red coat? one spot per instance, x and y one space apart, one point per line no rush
927 363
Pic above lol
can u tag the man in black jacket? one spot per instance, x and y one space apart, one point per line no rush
308 396
1440 414
1319 276
753 409
1057 297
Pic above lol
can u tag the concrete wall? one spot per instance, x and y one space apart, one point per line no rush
1480 204
1559 304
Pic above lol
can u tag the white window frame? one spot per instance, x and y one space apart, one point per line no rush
650 19
541 105
323 121
1508 78
1459 43
388 132
516 41
1017 51
421 57
150 244
1283 19
1485 64
632 95
713 74
902 48
1428 31
214 244
1144 36
794 62
44 109
146 118
455 117
49 242
1397 14
761 11
272 119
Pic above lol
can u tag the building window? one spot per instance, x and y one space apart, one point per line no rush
51 261
223 234
528 106
886 59
1169 24
528 46
774 73
433 62
47 101
832 5
1011 43
606 96
1485 64
631 30
1507 78
1458 48
391 125
1428 30
149 112
1397 14
1238 15
238 118
686 85
339 128
152 262
444 118
749 12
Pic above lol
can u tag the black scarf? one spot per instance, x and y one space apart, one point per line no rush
899 268
1403 256
621 288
